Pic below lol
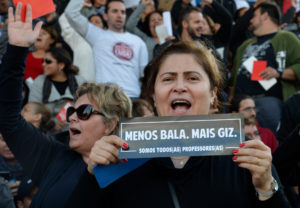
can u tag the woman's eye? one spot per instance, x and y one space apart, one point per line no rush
167 79
193 78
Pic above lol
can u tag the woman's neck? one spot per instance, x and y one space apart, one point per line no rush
179 162
38 53
156 39
60 77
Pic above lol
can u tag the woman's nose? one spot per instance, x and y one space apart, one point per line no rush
180 86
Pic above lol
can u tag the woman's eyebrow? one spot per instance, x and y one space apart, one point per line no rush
168 73
193 72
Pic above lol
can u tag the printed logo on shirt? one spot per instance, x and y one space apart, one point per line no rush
123 51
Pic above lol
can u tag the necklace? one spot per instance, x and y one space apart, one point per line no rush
179 162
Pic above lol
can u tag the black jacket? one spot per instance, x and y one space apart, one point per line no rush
46 161
204 182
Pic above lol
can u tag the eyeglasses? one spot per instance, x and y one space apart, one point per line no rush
249 109
83 112
47 61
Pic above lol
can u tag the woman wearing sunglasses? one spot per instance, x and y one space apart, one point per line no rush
55 168
58 84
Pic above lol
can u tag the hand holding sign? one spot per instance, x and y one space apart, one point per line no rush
269 73
106 151
255 156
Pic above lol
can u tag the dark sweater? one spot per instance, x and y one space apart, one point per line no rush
203 182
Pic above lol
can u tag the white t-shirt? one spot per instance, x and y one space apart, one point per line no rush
119 58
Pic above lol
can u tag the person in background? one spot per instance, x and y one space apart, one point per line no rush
82 51
54 167
39 116
26 192
280 50
217 26
176 10
6 197
245 104
9 163
119 56
58 84
4 4
250 129
34 66
290 117
91 7
153 19
97 20
141 108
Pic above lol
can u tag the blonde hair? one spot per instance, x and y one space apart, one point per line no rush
110 99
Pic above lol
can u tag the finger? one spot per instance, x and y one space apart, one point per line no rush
263 73
115 140
28 18
104 153
254 169
109 157
102 158
255 144
11 17
37 29
18 12
110 148
260 154
252 160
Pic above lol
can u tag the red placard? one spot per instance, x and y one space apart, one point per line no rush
258 67
39 7
62 114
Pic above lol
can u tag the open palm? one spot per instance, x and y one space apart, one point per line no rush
20 33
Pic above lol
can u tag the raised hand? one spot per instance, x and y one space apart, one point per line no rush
147 2
20 33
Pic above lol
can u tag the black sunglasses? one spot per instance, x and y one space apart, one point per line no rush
83 112
47 61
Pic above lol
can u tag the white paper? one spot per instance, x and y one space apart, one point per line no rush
221 52
248 64
161 33
267 84
168 22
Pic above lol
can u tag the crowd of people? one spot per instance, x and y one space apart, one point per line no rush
67 78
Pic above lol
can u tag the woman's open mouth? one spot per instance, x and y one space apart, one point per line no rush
180 106
74 131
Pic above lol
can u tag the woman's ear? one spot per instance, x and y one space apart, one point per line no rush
217 27
153 97
110 126
214 93
38 117
51 41
61 66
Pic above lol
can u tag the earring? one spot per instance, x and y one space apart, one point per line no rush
212 101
